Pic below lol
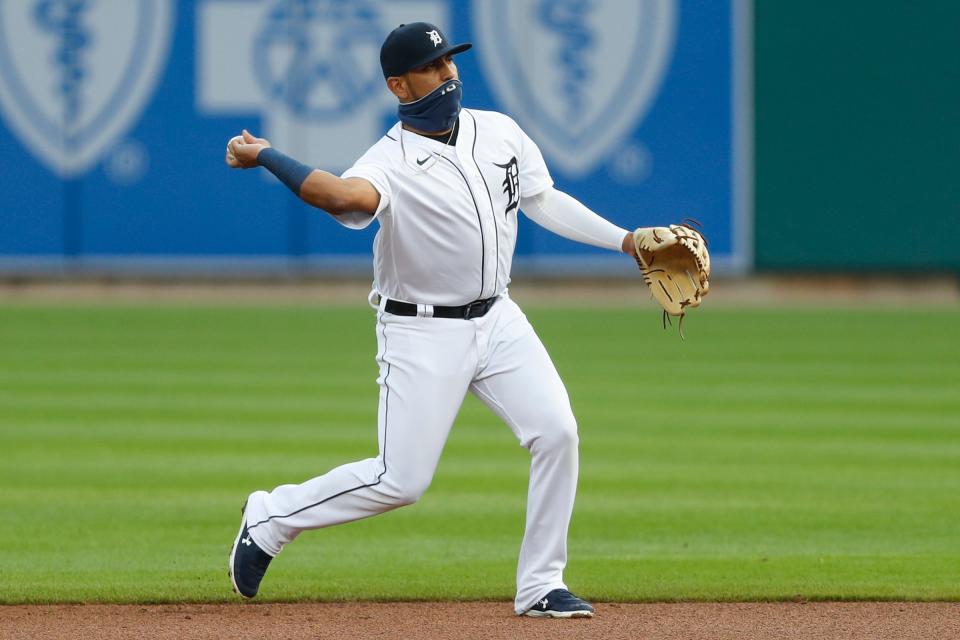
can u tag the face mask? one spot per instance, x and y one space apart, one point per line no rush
436 111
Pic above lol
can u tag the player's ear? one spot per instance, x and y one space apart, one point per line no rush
398 87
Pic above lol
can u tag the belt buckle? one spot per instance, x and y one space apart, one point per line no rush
468 311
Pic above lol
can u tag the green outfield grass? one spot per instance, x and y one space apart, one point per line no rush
773 454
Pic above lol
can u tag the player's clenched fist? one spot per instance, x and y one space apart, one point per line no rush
242 150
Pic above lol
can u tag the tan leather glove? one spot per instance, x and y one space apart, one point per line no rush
675 265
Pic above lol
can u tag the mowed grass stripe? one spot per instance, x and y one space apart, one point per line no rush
821 456
267 384
613 425
906 373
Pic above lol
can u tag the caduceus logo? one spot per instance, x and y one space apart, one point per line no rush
574 37
76 74
64 22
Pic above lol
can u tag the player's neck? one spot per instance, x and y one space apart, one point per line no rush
429 134
446 137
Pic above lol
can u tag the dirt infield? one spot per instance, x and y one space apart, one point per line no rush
487 620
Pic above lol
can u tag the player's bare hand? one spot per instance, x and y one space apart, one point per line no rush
242 150
628 246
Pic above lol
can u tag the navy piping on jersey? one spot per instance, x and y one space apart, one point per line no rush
483 249
496 235
386 422
390 136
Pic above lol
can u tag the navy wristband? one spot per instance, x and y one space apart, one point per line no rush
290 172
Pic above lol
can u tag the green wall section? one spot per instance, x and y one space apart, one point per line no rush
857 135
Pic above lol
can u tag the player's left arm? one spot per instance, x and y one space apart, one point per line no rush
568 217
559 212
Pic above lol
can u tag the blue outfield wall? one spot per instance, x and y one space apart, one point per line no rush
114 117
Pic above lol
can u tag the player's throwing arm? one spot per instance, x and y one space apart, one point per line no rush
318 188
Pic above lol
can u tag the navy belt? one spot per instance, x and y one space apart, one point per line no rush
475 309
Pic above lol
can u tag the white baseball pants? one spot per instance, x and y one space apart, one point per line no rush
426 367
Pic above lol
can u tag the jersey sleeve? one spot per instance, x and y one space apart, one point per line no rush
374 172
534 175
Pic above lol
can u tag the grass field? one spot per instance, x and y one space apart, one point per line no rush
773 454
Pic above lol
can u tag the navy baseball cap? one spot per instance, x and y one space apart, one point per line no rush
413 45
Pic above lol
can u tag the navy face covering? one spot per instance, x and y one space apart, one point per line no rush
436 111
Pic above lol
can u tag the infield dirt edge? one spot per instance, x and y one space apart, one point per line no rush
490 620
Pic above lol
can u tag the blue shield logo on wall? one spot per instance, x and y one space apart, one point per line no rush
578 75
75 75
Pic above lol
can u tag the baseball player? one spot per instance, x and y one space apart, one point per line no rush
446 185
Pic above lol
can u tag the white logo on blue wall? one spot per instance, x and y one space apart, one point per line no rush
319 57
75 75
578 75
309 70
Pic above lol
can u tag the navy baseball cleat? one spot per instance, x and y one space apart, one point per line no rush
560 603
248 562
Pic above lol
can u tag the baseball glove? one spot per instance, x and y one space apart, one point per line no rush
675 265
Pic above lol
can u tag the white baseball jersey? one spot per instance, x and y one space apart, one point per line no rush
474 188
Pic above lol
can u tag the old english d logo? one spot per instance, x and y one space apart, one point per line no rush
578 76
75 75
511 183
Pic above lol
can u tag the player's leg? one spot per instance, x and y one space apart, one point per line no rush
426 366
519 382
